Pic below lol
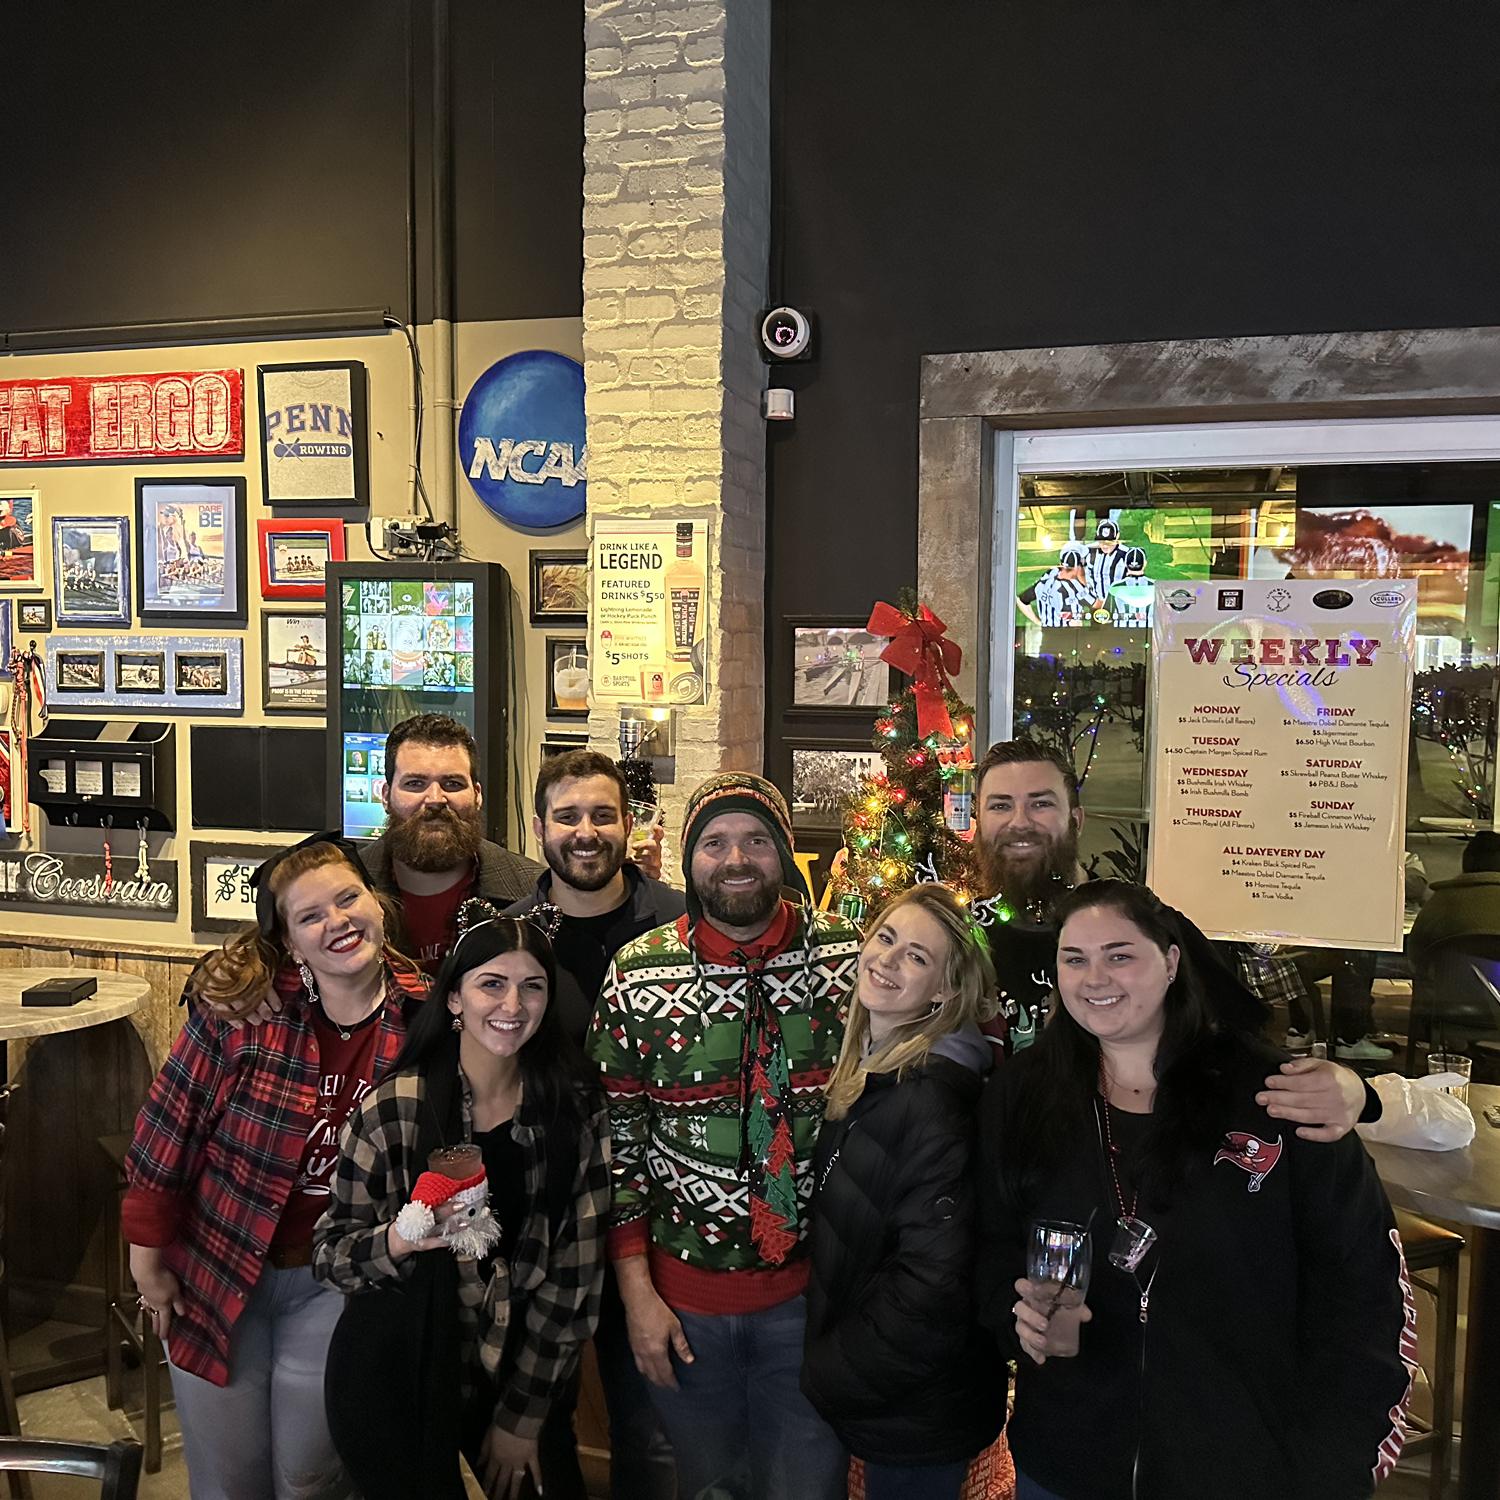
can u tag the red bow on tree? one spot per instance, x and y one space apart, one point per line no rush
919 649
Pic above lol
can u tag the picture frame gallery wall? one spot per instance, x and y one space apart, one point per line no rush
133 562
102 555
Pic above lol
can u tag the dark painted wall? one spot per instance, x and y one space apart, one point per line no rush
182 161
987 175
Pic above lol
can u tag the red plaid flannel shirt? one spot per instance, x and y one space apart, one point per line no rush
221 1134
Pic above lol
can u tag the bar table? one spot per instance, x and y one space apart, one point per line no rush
1463 1187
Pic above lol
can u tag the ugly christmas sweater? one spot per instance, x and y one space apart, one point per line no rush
670 1037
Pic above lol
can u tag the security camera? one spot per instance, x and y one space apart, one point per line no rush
785 334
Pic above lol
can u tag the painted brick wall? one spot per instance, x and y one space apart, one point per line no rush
675 227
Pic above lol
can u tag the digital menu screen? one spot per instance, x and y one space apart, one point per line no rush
415 635
364 781
406 647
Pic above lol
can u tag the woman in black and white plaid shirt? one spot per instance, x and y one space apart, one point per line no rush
439 1352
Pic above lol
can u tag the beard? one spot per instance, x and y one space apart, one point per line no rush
1023 882
740 908
563 860
437 839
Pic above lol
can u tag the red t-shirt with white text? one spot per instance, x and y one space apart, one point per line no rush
430 921
345 1073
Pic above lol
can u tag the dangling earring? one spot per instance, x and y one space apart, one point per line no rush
937 1005
458 1020
308 982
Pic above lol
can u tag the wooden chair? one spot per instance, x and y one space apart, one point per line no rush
1430 1247
125 1326
117 1467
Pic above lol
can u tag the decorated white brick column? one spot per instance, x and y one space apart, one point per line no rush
676 214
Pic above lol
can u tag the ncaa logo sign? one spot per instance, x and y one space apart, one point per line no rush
521 439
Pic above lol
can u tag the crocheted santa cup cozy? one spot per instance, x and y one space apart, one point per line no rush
416 1221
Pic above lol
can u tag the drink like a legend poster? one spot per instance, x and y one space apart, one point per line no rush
1281 713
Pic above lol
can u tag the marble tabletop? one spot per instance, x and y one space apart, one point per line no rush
1462 1187
118 995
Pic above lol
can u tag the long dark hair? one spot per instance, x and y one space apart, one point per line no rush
1199 1043
557 1080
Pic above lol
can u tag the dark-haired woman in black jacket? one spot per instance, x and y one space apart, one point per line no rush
894 1361
1264 1344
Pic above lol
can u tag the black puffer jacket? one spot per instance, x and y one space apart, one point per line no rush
895 1362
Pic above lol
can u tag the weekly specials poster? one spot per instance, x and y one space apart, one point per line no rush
1281 716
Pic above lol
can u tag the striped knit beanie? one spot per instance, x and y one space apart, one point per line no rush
738 791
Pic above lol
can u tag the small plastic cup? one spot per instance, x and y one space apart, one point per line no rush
1452 1062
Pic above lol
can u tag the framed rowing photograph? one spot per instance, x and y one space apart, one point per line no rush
79 672
34 614
140 671
188 674
836 666
294 663
205 672
825 774
91 569
190 551
313 448
294 555
18 549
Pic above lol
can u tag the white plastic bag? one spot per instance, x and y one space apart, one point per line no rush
1415 1112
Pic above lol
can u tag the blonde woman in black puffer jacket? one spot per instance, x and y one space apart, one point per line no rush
894 1361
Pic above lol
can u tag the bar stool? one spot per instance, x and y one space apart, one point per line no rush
1430 1247
124 1322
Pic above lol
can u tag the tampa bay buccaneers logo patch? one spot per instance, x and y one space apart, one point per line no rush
1250 1154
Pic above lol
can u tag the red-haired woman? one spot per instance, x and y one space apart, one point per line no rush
231 1163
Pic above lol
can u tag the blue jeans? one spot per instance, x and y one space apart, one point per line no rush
264 1435
1029 1489
914 1481
740 1426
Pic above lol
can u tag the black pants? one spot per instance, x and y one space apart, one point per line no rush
1353 973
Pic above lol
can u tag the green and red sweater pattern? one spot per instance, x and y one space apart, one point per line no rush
667 1038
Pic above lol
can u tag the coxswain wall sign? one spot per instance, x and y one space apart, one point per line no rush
181 414
1280 719
521 439
83 880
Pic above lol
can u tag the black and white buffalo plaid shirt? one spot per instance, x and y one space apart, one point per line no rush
552 1280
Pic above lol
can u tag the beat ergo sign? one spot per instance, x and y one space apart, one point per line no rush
521 439
180 414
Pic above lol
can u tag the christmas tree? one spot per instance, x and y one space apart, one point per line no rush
912 819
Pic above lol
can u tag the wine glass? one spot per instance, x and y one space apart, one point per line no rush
1059 1257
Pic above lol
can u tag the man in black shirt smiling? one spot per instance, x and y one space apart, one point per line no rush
582 825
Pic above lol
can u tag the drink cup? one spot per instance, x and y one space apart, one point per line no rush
645 816
458 1162
1459 1066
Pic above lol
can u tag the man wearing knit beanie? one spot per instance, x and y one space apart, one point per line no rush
714 1035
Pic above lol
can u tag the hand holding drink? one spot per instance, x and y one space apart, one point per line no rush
1052 1307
